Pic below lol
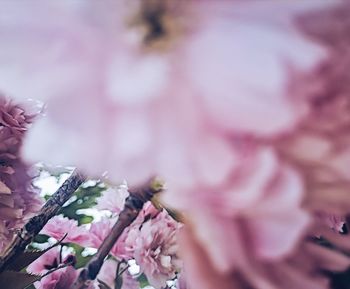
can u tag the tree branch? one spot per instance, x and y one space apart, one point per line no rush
36 223
133 205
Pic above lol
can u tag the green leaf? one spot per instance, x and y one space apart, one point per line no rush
17 280
81 260
143 280
41 238
84 198
86 219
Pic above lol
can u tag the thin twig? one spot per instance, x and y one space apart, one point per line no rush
36 223
123 270
133 205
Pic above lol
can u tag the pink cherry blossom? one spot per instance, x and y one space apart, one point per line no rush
45 262
154 247
100 230
149 211
59 226
59 279
19 200
113 199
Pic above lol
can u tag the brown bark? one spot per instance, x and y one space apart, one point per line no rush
36 223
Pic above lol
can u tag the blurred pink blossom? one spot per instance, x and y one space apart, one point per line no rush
334 222
19 200
256 215
319 147
181 281
123 89
316 150
241 106
302 269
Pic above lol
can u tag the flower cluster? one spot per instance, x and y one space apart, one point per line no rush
151 240
154 246
58 279
19 200
64 274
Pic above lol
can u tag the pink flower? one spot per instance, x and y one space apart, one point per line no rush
59 279
100 230
45 262
113 199
149 211
59 226
135 83
19 200
154 247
